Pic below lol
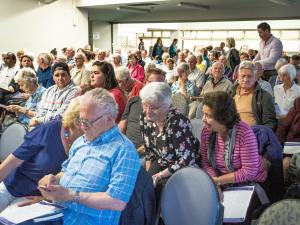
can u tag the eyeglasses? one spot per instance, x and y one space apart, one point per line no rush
87 123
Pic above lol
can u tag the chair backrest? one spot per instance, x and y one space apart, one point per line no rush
190 197
197 126
11 139
283 212
180 102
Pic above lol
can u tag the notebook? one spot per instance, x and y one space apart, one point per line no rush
291 147
236 202
41 211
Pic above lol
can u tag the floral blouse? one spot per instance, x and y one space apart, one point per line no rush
175 147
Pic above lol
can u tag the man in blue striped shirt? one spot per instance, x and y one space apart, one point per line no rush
98 178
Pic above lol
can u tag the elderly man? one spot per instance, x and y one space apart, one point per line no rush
129 85
79 74
256 106
56 99
101 54
116 60
130 121
70 52
7 85
195 74
270 50
44 73
98 179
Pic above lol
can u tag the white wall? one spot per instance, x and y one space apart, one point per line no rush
102 35
26 24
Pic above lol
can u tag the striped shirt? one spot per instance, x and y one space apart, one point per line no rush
109 164
246 162
55 102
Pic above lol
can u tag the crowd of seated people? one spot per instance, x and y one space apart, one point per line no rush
132 93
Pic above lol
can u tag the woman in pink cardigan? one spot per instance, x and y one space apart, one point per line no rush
136 70
228 146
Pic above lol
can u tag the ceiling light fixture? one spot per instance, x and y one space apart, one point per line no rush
131 9
193 5
281 2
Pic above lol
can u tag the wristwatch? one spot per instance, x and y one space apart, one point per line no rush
76 197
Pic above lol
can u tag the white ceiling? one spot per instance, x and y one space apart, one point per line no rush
168 11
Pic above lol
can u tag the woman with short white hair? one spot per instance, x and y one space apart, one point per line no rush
288 91
28 83
167 134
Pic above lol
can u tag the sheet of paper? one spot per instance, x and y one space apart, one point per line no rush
17 95
291 147
236 203
17 214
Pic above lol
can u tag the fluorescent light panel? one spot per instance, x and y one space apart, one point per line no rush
131 9
281 2
193 5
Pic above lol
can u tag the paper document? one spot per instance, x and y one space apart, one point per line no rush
291 147
40 210
17 95
236 203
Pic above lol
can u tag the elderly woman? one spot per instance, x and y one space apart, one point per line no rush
56 99
288 91
136 70
42 152
28 83
274 80
167 134
228 145
103 75
183 85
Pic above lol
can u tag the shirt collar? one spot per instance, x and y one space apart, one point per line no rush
104 137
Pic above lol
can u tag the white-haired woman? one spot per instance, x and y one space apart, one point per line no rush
28 83
288 91
167 134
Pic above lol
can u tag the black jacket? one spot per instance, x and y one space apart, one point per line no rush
141 208
262 106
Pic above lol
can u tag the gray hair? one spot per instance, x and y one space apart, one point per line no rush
184 67
46 58
247 65
289 70
192 57
26 75
101 100
82 55
62 59
122 73
217 62
280 62
157 93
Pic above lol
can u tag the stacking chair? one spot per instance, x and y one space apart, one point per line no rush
197 126
283 212
11 139
190 197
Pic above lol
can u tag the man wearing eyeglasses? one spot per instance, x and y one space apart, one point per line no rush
97 180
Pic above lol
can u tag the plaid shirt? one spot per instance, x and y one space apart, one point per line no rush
109 164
